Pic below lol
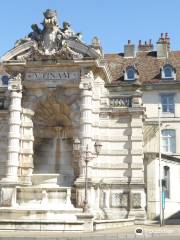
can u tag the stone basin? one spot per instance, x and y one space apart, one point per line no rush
44 197
48 180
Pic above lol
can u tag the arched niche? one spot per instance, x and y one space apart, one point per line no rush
55 124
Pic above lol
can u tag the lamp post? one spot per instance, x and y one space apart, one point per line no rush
77 148
160 179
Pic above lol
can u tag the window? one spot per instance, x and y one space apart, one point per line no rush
167 102
166 173
168 141
130 73
168 72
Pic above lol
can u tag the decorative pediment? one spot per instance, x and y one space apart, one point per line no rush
52 42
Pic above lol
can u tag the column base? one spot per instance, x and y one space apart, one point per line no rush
139 214
9 181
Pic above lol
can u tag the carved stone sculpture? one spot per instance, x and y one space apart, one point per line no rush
69 33
51 40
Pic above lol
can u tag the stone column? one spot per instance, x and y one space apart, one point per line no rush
15 89
137 194
85 135
27 139
86 117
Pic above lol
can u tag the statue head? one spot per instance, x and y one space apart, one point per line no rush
66 25
50 14
50 18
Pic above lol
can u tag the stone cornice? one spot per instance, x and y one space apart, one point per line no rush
163 85
154 155
98 64
122 110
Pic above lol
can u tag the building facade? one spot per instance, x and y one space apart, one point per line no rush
58 93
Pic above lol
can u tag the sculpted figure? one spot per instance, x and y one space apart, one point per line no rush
69 33
51 34
50 40
36 34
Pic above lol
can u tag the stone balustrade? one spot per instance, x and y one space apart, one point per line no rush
121 102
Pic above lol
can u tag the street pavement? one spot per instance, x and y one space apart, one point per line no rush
149 231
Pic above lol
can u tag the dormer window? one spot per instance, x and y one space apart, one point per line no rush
168 72
130 73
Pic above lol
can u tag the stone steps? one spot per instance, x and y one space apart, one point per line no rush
42 225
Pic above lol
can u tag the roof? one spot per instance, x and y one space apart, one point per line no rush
147 64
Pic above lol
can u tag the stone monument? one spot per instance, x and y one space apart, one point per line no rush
57 92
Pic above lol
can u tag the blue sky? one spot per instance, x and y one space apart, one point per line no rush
113 21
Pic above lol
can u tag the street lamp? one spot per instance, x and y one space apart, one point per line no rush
77 148
160 179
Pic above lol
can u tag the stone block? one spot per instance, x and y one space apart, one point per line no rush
7 196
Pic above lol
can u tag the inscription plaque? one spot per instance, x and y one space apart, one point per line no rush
57 75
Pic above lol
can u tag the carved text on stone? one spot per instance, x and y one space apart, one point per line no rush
52 75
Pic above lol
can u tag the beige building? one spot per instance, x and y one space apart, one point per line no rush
79 131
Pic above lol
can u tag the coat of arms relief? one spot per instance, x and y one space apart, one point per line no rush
54 41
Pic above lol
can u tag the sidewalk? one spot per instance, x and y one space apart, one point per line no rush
148 230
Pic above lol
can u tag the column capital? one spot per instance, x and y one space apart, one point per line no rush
15 83
85 86
86 80
87 75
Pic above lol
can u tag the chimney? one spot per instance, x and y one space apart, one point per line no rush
146 47
163 46
129 50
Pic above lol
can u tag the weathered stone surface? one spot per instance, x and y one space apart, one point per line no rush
66 96
136 200
120 200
